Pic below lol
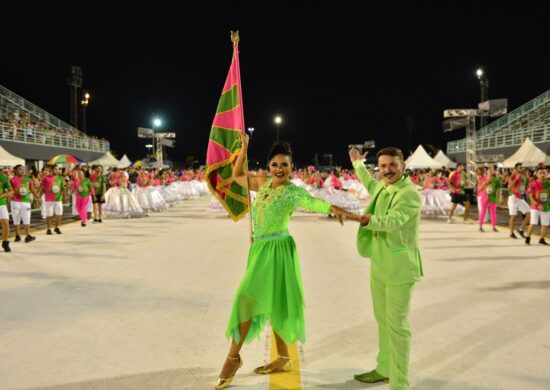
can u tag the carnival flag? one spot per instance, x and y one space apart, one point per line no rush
224 143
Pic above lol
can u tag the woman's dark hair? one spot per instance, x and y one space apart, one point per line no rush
33 172
281 147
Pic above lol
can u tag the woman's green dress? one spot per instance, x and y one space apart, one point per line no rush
271 289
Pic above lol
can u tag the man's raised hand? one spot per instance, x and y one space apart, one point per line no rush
355 155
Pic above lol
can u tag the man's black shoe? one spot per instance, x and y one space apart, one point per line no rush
521 233
512 235
49 232
17 238
57 230
527 240
542 242
6 246
30 238
371 377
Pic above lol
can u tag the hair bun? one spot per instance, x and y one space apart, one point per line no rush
279 147
282 145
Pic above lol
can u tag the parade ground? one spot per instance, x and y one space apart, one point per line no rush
142 304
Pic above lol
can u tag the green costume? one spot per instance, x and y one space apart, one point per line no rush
491 189
544 196
84 188
271 289
390 240
5 186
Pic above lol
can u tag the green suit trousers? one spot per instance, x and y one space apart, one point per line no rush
391 309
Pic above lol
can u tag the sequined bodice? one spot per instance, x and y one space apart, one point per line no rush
273 207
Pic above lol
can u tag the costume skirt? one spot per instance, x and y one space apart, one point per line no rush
270 291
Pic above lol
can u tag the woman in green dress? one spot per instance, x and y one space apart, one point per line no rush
271 289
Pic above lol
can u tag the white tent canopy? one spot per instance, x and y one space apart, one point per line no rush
444 160
420 159
125 161
528 154
107 161
9 160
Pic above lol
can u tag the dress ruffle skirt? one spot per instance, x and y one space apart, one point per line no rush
121 203
437 203
271 291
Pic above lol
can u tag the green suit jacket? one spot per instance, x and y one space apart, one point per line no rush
390 239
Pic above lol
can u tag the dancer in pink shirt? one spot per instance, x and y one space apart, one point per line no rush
54 189
539 195
517 185
457 182
21 202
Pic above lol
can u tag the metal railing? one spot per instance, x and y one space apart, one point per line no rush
514 115
33 109
500 124
537 134
46 138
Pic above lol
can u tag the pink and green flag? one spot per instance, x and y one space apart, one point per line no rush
224 143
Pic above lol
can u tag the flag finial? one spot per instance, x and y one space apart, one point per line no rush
235 37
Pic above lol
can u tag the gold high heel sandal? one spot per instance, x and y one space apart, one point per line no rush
223 383
265 370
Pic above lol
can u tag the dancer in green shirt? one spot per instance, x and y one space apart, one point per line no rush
388 235
6 191
271 289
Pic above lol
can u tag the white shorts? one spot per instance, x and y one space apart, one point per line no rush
53 208
515 204
544 217
4 212
21 211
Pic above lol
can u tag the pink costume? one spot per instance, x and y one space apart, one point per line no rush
535 189
484 202
315 182
336 183
81 201
114 179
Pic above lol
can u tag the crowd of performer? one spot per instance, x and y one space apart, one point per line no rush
123 193
520 189
93 194
445 194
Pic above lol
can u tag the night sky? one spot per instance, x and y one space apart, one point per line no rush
335 74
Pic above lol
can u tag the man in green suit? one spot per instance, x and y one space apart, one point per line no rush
388 235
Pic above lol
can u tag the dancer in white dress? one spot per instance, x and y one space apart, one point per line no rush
119 201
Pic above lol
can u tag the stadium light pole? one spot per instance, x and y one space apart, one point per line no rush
278 120
84 102
157 122
484 86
